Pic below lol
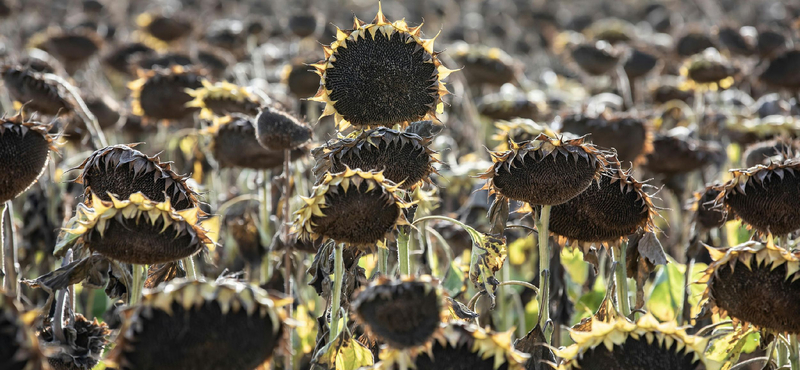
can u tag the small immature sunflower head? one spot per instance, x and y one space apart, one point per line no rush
31 89
234 144
120 170
356 207
404 157
279 130
631 137
221 99
457 346
604 213
544 171
24 152
403 313
82 351
136 230
646 344
20 349
161 93
164 27
242 226
220 325
765 197
755 284
380 74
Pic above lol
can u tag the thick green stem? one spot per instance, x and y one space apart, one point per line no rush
266 263
783 354
620 275
336 299
544 272
383 261
135 293
794 352
402 253
188 264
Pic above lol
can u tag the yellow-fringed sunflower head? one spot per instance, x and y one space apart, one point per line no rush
710 69
161 93
24 151
518 130
219 325
380 74
457 346
160 29
20 345
356 207
617 343
765 197
221 99
756 284
135 230
544 171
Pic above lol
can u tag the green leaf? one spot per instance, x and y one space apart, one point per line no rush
454 280
666 296
572 260
728 348
343 355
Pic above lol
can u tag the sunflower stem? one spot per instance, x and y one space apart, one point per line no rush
402 253
10 265
336 299
188 264
266 262
544 271
783 355
287 253
794 352
98 138
135 293
383 261
620 275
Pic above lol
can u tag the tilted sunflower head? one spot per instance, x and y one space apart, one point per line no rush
518 130
161 93
222 98
380 74
24 151
676 154
605 213
765 152
121 170
136 230
457 346
507 105
163 28
405 158
301 81
544 171
403 313
71 47
234 144
20 349
356 207
781 71
28 87
706 216
485 65
82 351
765 197
279 130
618 343
219 325
756 284
710 68
596 58
631 137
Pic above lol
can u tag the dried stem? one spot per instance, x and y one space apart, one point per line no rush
620 275
287 253
544 270
98 138
336 298
10 265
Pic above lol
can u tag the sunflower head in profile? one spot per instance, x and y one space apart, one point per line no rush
380 74
222 98
234 144
24 151
160 94
28 88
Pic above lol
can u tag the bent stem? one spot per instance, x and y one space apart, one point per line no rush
621 278
336 299
543 226
135 293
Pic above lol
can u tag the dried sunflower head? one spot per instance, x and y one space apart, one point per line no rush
161 93
765 197
24 152
301 81
402 313
20 349
120 170
457 346
755 284
518 130
234 144
782 72
710 67
640 62
604 213
506 105
664 93
764 152
676 154
356 207
485 65
404 158
164 27
122 57
380 74
241 224
72 47
734 42
769 43
31 89
693 42
544 171
220 325
706 216
221 99
279 130
135 230
303 23
596 58
647 344
83 348
631 137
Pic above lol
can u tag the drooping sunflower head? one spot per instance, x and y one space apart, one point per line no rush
121 59
356 207
280 130
544 171
20 349
241 225
647 344
764 197
518 130
30 88
161 93
405 158
222 98
219 325
605 213
710 68
597 58
234 144
631 137
81 351
641 61
706 216
764 152
71 47
676 154
301 81
755 284
136 230
457 346
485 65
507 105
781 71
24 151
121 170
161 29
381 74
693 42
403 313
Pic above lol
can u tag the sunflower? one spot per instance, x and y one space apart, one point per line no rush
506 105
164 28
693 42
764 152
72 47
640 62
220 325
301 81
617 343
161 93
136 230
755 284
380 74
121 58
222 98
279 130
405 158
234 144
356 207
631 137
544 171
518 130
20 349
710 68
485 65
82 350
781 71
24 152
765 197
676 154
706 216
596 58
31 89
